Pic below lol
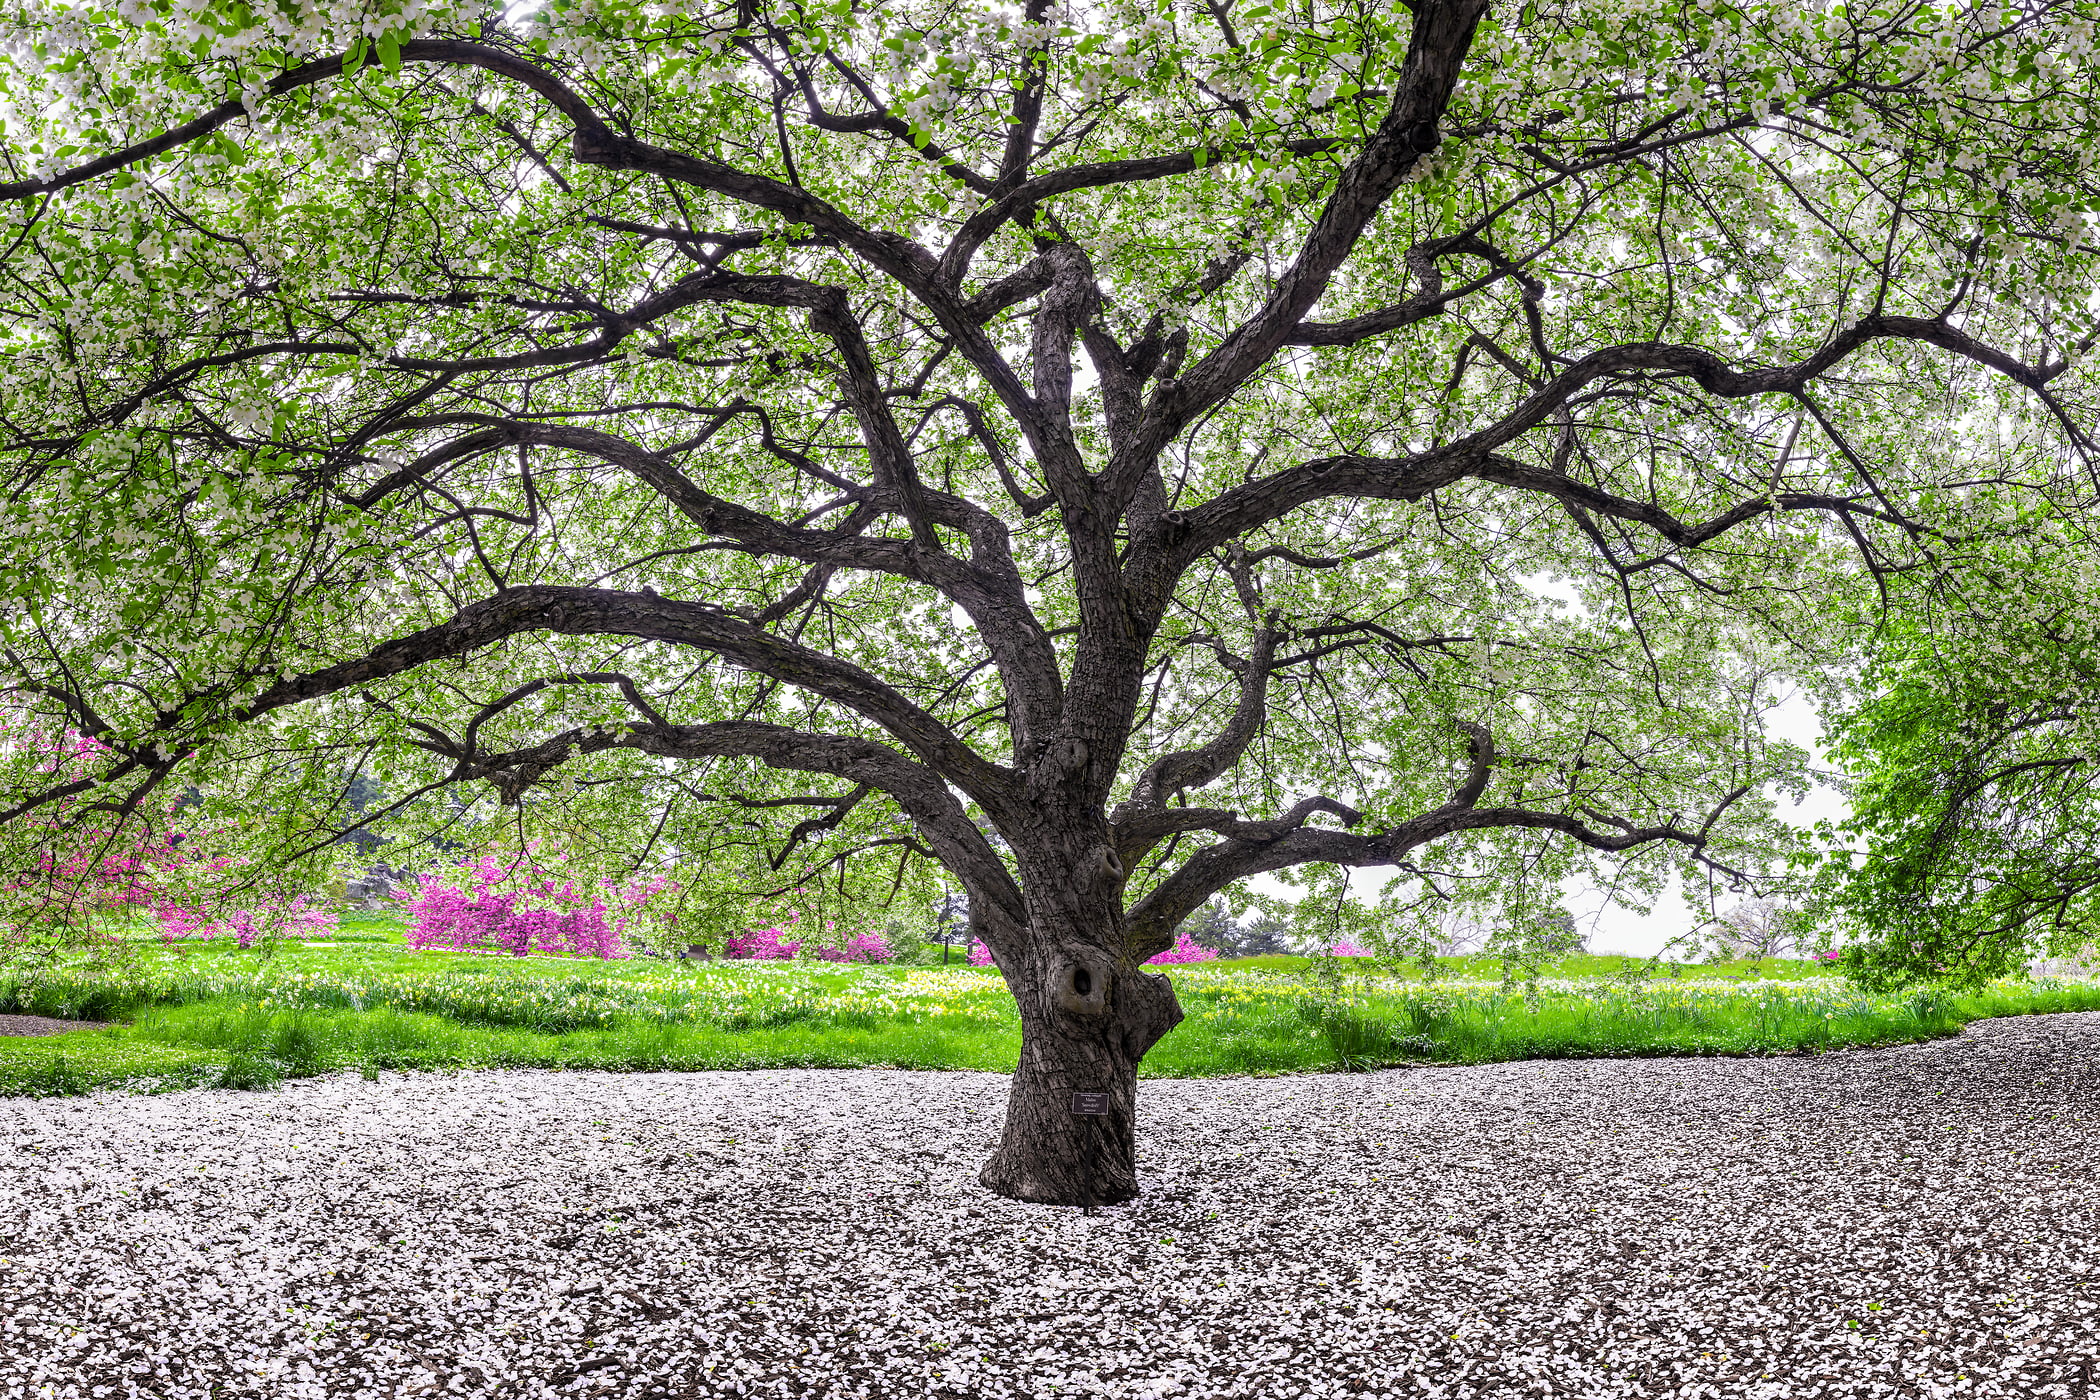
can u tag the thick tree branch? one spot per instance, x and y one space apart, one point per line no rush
1020 200
1211 869
1429 300
1173 773
1245 508
1442 34
941 820
989 586
603 612
1138 832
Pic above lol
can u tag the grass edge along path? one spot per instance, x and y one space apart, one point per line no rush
258 1028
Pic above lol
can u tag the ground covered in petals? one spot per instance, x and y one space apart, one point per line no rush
1909 1221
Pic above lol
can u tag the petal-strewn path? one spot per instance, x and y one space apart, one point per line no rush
1909 1222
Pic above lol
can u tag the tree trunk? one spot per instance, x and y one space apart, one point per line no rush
1071 1120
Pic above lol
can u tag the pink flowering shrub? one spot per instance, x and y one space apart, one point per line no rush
1346 949
169 894
521 909
84 871
79 871
1185 950
301 918
762 945
980 956
860 948
774 945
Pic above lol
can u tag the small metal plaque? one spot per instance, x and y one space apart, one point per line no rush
1092 1105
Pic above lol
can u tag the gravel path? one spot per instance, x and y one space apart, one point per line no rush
1908 1222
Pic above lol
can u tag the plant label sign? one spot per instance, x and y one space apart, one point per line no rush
1090 1105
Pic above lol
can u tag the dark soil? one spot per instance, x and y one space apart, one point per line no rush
44 1025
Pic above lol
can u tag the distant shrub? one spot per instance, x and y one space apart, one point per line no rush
1185 950
861 948
520 908
84 873
301 918
773 945
762 945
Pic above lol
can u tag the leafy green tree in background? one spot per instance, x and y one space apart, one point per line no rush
1109 451
1264 933
1533 937
1974 841
1212 926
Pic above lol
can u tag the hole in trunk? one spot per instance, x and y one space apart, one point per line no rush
1082 981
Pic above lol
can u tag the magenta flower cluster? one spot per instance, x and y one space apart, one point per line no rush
773 945
1185 950
120 870
762 945
860 948
494 909
301 919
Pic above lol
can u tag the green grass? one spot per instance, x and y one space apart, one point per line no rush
1476 1025
316 1041
82 1061
215 1014
368 928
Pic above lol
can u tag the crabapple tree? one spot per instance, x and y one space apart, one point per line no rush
1108 450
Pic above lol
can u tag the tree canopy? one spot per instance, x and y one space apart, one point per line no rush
1108 450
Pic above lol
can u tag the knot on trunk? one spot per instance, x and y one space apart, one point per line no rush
1058 759
1080 985
1103 869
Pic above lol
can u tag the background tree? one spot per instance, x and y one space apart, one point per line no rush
1212 926
1973 845
1110 451
1531 938
951 922
1760 927
1264 932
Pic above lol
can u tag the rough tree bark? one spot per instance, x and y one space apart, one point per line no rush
1087 1018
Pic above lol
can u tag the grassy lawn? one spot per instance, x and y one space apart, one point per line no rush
215 1014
